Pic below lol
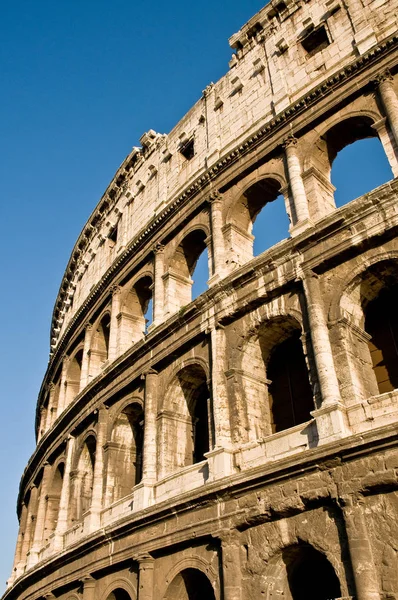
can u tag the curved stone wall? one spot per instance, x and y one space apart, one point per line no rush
237 438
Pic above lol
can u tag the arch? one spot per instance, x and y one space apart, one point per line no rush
334 137
190 584
254 198
119 594
124 452
178 279
73 375
299 572
53 499
120 583
185 427
364 312
274 378
99 350
135 311
82 480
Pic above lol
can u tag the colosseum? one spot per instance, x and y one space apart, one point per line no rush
242 444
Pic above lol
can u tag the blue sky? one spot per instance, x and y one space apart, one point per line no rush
81 82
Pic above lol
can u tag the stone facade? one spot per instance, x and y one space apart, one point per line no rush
245 444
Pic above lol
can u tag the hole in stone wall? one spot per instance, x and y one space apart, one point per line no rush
187 149
359 168
200 275
315 41
271 225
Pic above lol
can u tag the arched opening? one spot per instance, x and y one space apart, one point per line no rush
310 575
124 453
369 331
53 500
82 481
72 382
178 280
190 584
289 390
200 274
99 350
119 594
136 313
184 424
381 323
346 162
257 222
359 168
273 380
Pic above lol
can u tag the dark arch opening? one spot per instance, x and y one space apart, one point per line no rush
289 392
381 323
310 574
190 584
359 163
190 260
119 594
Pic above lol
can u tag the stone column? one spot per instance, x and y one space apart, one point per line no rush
145 577
150 412
365 575
20 539
158 288
389 145
50 407
62 390
113 333
30 523
217 238
300 203
84 378
41 515
62 520
231 565
88 588
98 477
330 417
385 88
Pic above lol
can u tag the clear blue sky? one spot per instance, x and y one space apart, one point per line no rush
81 82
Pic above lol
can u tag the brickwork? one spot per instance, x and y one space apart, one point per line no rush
241 444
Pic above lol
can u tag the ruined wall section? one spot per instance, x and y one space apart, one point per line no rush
280 54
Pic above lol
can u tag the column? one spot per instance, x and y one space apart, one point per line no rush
389 145
365 575
94 516
62 390
231 565
150 413
385 83
300 203
62 521
84 376
158 288
331 421
20 539
50 407
145 576
38 538
217 238
88 588
30 520
113 333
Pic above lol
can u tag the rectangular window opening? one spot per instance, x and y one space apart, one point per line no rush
187 149
112 237
315 41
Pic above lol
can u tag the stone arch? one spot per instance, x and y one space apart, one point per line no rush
54 497
73 375
364 328
181 266
300 571
124 451
200 571
333 137
184 422
133 318
123 584
253 197
99 349
274 348
82 478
